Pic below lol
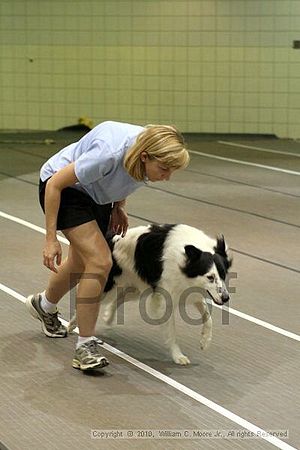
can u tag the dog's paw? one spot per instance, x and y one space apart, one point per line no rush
205 342
182 360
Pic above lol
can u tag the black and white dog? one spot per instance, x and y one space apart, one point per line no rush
165 264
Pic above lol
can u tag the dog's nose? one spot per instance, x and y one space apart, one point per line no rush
225 297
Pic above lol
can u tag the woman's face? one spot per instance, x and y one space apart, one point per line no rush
155 170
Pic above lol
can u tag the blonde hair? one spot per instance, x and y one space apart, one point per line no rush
163 143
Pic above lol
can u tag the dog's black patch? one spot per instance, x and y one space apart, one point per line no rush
220 263
197 262
148 253
115 270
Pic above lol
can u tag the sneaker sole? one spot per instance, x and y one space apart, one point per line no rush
33 312
102 363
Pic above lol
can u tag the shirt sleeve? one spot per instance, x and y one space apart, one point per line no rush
94 164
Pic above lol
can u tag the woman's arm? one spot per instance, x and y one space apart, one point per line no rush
60 180
119 218
120 204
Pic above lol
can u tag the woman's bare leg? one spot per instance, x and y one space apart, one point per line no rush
88 244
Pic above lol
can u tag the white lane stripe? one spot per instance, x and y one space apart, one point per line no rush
259 149
240 314
30 225
180 387
245 163
260 322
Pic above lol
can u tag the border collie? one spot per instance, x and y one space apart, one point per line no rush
166 264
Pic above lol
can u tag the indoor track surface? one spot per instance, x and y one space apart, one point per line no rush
246 383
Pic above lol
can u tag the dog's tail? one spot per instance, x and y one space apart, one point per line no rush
72 324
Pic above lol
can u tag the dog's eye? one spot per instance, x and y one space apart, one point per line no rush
211 278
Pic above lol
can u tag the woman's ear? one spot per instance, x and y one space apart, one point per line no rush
144 156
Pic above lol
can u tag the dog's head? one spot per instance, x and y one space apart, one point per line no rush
209 270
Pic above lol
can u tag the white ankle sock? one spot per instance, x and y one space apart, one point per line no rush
47 306
83 339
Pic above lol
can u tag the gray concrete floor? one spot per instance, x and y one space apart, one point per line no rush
249 369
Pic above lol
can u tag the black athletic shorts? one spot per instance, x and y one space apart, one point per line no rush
77 208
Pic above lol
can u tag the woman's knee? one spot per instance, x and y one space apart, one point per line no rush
90 246
99 264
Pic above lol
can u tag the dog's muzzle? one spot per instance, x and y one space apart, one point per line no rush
223 295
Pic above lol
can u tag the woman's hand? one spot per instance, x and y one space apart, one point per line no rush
119 220
52 251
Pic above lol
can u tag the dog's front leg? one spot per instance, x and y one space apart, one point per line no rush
206 333
176 353
157 304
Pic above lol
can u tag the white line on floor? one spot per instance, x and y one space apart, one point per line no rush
235 312
30 225
245 163
262 323
259 149
180 387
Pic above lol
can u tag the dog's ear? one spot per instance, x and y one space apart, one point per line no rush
221 250
192 252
